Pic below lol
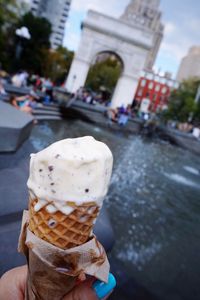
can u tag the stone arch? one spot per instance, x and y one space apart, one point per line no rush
102 33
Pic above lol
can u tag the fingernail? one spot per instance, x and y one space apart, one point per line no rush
102 289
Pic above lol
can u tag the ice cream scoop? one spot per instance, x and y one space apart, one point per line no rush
70 173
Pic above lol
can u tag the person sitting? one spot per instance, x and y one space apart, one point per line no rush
24 103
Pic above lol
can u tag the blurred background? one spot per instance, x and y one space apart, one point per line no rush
128 73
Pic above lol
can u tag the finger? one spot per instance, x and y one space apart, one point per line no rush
83 291
108 295
12 284
104 289
21 278
90 290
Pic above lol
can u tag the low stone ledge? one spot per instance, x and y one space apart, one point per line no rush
15 127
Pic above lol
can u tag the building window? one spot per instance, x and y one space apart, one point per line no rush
164 90
61 27
59 33
150 85
143 82
176 85
157 87
140 92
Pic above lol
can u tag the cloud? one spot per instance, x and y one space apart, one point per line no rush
111 7
178 38
175 42
169 28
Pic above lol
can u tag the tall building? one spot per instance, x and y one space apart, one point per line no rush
190 64
56 11
146 14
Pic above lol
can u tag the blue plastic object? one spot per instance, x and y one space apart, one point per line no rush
102 289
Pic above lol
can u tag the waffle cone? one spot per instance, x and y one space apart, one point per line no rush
63 231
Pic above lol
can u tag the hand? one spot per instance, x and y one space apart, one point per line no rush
13 283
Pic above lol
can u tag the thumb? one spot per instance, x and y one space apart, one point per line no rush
82 291
87 290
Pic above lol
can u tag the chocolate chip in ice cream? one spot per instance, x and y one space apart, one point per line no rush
50 168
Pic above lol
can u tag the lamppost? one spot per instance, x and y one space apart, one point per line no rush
22 33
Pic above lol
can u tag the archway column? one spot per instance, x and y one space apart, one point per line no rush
124 91
77 75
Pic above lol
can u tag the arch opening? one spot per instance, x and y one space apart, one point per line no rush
105 70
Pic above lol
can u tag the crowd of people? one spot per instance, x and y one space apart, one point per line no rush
28 102
90 97
185 127
40 90
120 115
24 79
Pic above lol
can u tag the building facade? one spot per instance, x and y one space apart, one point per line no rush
56 12
190 65
156 88
146 14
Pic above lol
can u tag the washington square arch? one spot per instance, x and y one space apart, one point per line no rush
129 41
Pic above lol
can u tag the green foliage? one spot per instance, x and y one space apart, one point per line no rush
182 105
32 54
8 12
35 55
56 64
8 19
104 74
32 50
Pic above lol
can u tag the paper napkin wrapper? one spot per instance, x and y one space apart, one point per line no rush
52 271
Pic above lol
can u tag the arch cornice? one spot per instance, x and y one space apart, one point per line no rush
114 34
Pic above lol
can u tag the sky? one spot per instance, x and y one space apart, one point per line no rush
180 18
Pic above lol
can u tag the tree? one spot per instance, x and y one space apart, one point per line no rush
8 18
32 55
57 63
104 74
182 105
